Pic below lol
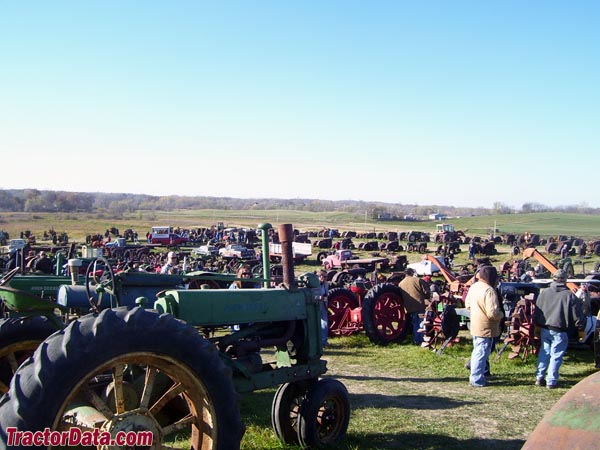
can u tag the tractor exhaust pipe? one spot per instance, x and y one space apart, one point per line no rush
286 237
265 227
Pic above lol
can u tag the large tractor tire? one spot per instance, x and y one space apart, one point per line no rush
127 369
19 338
383 314
340 302
324 414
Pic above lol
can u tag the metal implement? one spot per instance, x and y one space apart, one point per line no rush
573 420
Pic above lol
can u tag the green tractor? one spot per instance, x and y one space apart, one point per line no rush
176 370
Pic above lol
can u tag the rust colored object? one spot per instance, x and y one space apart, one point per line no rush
286 236
573 421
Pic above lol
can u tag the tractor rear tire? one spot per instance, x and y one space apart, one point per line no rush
134 350
383 314
19 338
324 415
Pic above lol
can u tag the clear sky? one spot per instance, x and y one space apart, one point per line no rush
463 103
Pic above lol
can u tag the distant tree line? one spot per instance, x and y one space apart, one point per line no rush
33 200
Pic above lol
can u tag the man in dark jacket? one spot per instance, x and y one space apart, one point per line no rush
556 309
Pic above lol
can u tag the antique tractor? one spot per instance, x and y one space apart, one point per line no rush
378 309
175 371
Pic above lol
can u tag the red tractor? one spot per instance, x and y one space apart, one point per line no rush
378 309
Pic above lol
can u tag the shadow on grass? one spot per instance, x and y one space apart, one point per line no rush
421 402
411 379
256 407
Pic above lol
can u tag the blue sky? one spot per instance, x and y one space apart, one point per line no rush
463 103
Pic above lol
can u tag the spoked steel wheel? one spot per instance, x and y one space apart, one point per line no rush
384 316
340 302
123 371
19 338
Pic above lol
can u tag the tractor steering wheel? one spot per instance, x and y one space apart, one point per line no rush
100 278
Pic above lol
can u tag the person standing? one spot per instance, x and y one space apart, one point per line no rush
472 248
416 295
324 287
43 264
486 314
556 309
170 267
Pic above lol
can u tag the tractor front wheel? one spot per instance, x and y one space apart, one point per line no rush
126 370
286 409
324 414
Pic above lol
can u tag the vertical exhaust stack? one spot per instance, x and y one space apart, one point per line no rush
265 227
286 237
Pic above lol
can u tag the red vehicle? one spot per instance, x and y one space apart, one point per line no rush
166 236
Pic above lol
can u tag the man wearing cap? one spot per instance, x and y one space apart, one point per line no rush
171 264
556 309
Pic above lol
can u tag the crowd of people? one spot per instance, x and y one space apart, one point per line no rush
557 310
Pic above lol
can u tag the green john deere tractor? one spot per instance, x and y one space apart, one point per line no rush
175 371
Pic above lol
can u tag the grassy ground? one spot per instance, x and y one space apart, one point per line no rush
78 225
406 397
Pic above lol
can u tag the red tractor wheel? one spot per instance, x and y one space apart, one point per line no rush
521 336
340 302
383 314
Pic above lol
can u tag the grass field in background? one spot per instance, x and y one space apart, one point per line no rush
79 225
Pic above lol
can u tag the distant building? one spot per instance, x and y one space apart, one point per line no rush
437 216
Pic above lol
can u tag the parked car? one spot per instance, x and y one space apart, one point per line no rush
205 250
237 251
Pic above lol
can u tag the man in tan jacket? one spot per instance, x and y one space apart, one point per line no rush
486 314
416 295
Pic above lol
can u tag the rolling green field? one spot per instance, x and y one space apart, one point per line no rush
79 225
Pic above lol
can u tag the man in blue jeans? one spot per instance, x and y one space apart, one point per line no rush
416 295
486 314
556 310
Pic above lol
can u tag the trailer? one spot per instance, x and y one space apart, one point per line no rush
300 251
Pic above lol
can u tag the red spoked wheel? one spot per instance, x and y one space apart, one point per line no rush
384 316
340 303
521 334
